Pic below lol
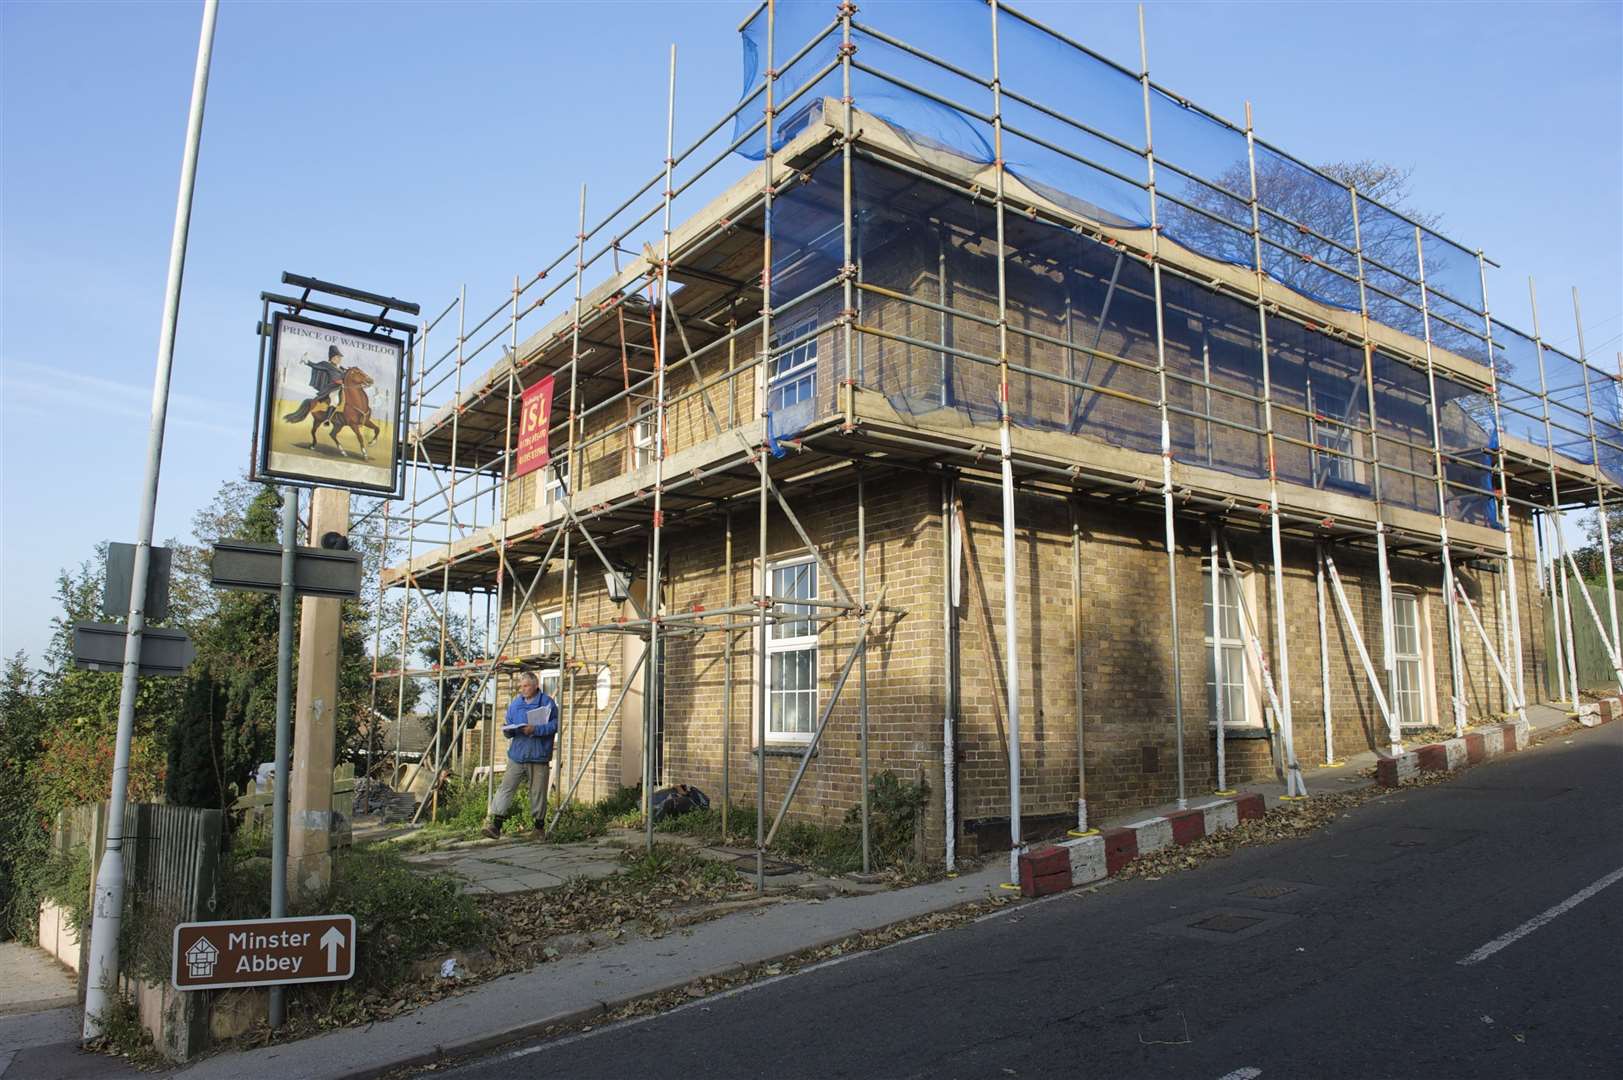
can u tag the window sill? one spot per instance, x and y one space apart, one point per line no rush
788 749
1234 732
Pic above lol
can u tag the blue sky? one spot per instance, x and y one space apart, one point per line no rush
411 149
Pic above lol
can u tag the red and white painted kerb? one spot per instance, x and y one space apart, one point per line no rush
1086 859
1452 754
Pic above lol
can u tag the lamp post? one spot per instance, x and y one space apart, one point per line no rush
108 905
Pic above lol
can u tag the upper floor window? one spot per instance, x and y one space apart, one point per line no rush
793 372
643 433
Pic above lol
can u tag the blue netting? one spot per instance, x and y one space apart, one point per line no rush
1074 135
1307 229
1465 431
1403 433
1456 329
1321 409
1607 411
1452 271
1521 404
804 364
1214 388
1564 389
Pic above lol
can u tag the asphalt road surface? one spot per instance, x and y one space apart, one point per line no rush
1472 929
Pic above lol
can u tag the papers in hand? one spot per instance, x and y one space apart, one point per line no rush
539 715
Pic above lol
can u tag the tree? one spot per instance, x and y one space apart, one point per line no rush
195 776
1220 223
22 729
1589 557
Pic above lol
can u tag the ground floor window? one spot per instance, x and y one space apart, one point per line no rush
1226 671
791 652
547 629
1408 647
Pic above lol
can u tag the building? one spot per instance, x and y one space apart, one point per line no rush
966 410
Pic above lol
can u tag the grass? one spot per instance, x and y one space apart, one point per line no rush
894 807
401 914
463 810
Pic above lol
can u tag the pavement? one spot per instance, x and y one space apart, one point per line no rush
506 866
579 986
1469 929
31 981
44 1045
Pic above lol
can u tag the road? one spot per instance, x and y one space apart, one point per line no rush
1335 955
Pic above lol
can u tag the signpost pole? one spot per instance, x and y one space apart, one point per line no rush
315 715
284 705
108 907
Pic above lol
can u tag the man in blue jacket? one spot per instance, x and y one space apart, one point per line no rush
531 724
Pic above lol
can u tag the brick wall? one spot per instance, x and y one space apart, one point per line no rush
1127 703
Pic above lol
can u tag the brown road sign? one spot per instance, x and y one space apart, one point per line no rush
264 952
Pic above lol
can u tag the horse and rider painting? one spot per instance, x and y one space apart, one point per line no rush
352 408
332 407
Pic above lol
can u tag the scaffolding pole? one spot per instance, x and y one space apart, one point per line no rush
1295 786
1077 656
1253 640
570 573
1324 654
1514 654
1455 646
1603 523
440 711
1383 570
1560 569
1393 730
1487 644
1171 539
1011 621
763 385
862 670
949 633
657 573
1219 697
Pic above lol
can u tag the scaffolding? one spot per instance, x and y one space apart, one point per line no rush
1176 316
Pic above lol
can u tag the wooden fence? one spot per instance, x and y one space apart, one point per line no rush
1594 665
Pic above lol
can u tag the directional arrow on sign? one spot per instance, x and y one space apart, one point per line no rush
332 941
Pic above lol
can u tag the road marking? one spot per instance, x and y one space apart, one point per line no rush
1539 920
1247 1072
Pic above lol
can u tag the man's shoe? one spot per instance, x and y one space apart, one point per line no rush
492 829
541 826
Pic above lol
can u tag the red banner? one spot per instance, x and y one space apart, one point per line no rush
535 419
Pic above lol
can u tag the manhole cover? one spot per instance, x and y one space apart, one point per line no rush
1223 924
1266 892
1226 924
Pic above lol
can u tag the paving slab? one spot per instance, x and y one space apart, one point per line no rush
521 866
31 981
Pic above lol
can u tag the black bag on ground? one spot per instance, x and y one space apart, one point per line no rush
678 800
